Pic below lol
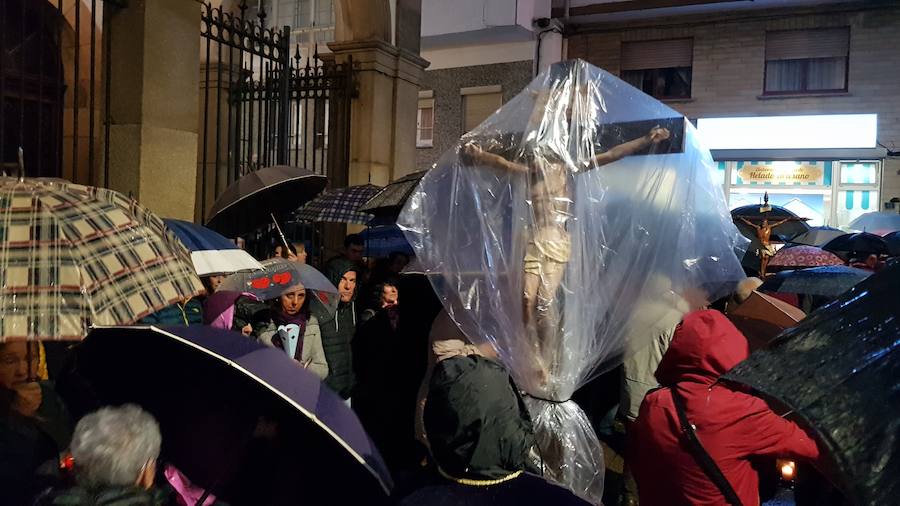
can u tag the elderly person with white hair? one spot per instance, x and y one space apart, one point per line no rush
114 451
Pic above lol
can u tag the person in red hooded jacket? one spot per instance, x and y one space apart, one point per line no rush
733 426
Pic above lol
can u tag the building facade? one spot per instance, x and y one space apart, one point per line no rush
828 59
481 53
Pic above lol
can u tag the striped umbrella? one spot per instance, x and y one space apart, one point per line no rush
211 252
73 256
339 205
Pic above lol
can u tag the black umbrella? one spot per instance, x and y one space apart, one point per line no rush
237 417
817 236
861 243
893 243
391 198
782 232
250 201
839 372
827 281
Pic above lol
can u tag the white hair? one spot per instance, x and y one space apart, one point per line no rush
112 446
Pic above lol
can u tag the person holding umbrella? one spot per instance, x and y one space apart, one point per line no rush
296 331
34 424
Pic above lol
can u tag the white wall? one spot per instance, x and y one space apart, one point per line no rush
466 56
441 17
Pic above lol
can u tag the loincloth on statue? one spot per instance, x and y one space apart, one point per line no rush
766 251
541 251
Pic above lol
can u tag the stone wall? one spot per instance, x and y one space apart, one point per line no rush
729 59
446 83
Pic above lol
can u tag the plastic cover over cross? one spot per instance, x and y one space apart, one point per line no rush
565 230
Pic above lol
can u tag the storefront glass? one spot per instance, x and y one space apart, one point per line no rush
827 192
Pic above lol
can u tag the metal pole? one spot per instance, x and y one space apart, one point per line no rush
92 93
218 100
284 103
208 22
75 81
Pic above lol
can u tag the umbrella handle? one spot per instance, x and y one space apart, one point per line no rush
280 233
21 159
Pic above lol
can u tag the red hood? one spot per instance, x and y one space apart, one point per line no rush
705 346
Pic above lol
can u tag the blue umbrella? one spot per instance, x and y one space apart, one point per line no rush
383 240
211 252
827 281
238 418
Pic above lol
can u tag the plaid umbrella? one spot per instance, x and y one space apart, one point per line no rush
804 256
338 205
827 281
72 256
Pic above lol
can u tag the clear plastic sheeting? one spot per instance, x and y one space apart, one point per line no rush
564 230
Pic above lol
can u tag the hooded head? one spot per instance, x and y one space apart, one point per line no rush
342 273
705 346
477 425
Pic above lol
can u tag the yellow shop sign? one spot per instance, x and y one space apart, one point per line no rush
781 174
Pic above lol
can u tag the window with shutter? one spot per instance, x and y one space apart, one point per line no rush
659 68
478 106
807 61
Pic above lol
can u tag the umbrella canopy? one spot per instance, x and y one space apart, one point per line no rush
828 281
211 252
236 416
804 256
839 372
781 233
817 236
249 201
861 243
72 256
877 223
893 243
280 275
381 241
393 197
338 205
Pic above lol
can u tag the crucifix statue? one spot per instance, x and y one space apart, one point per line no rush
764 232
549 169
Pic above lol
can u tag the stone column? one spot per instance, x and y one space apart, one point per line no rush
383 116
154 102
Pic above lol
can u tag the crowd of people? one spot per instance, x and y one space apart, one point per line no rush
444 413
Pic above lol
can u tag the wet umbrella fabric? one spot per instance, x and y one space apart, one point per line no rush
893 243
782 232
236 416
383 240
338 205
828 281
278 277
211 252
804 256
391 199
877 223
839 372
72 256
862 243
817 236
248 202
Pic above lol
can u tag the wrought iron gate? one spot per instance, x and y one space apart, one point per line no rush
50 87
264 106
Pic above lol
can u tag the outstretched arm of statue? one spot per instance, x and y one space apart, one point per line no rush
748 222
773 225
482 157
654 136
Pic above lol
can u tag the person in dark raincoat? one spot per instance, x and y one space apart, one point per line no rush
338 331
734 427
480 437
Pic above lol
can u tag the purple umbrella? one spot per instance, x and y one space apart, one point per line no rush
238 418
